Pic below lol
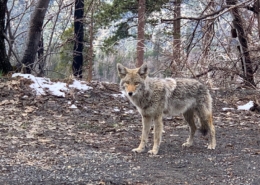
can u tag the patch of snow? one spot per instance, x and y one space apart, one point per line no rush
40 84
80 86
43 85
73 106
119 95
116 109
226 108
129 112
247 106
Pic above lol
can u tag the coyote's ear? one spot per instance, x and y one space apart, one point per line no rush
121 70
143 71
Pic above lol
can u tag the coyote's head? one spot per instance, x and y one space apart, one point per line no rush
132 80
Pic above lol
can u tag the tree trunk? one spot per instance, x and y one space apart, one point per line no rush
90 51
247 66
34 34
258 16
5 65
176 36
140 34
79 36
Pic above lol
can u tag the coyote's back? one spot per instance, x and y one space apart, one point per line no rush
154 97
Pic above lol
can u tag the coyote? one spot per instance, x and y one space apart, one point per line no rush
154 97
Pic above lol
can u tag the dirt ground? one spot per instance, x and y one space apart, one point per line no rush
44 141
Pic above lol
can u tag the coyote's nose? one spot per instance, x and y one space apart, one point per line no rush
130 93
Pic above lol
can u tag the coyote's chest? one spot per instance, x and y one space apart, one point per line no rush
152 101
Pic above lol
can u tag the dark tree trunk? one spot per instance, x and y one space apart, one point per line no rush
247 66
140 34
5 65
79 36
34 34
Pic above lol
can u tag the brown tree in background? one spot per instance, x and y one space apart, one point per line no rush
34 34
5 65
176 36
91 49
247 66
140 34
79 39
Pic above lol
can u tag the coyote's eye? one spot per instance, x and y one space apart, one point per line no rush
137 83
126 83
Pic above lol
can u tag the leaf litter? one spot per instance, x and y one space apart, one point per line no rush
45 141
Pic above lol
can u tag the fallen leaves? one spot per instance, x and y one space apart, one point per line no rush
252 151
44 133
30 109
7 102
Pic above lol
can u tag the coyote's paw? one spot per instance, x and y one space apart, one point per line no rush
187 144
138 150
153 152
211 146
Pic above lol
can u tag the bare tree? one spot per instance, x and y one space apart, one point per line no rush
208 31
247 67
15 22
176 35
43 62
90 51
5 65
140 34
34 34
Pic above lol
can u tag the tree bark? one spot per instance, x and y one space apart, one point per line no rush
5 65
258 16
176 36
140 34
247 66
34 34
90 51
79 39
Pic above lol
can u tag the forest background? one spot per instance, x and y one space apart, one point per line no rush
214 41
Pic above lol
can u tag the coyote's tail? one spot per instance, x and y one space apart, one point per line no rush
204 129
206 124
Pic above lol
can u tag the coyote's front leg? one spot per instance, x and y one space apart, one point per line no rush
158 128
146 121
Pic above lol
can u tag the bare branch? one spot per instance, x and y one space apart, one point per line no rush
212 15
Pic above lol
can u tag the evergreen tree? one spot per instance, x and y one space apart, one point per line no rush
126 11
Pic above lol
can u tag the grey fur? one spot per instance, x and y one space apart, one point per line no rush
154 97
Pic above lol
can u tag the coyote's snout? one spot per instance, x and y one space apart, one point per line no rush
154 97
130 89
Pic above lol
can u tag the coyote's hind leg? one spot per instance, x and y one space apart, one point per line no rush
212 133
189 117
206 121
